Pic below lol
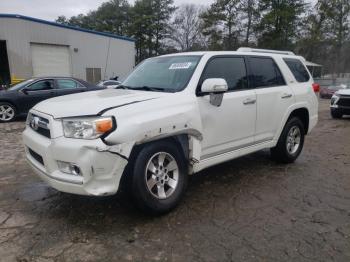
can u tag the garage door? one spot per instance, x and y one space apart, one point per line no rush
50 60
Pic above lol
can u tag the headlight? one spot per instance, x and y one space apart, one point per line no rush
335 99
29 118
88 127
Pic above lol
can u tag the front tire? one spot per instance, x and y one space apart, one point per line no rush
336 114
159 177
7 112
290 143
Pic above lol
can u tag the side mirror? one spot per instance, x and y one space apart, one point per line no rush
25 91
216 87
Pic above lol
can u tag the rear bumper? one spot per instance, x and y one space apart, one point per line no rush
312 122
101 170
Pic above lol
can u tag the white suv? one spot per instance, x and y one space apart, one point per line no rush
173 116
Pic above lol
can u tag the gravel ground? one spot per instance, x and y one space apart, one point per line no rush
249 209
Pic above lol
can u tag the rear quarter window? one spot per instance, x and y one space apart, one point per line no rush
298 69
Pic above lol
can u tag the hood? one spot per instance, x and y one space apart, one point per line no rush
94 102
345 92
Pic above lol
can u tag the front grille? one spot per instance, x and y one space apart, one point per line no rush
36 156
44 132
344 101
39 125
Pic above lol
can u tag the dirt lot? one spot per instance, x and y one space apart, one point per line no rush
249 209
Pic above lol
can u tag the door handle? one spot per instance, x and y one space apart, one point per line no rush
249 101
284 96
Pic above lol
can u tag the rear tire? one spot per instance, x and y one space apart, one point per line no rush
159 177
7 112
290 143
336 114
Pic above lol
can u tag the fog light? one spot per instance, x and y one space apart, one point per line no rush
69 168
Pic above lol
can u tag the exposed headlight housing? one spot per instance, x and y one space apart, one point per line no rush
88 127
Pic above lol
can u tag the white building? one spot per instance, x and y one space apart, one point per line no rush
31 47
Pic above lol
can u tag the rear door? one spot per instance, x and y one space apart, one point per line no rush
66 86
274 96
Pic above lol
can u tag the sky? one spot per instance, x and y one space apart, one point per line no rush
51 9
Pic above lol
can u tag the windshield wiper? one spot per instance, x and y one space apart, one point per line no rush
148 88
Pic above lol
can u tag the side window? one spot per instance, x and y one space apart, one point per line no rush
232 69
265 72
66 84
298 69
41 85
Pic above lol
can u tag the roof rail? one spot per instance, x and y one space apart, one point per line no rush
255 50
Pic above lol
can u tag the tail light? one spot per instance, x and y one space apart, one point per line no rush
316 87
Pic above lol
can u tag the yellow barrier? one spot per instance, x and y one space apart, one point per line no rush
15 80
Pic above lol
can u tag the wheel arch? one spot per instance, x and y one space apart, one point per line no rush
303 114
180 140
188 143
4 100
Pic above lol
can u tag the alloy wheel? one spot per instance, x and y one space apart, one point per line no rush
162 175
7 112
293 140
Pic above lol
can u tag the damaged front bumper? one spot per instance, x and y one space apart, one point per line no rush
101 166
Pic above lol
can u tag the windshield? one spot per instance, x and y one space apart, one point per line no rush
20 85
169 74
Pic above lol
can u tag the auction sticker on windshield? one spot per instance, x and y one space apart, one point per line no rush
176 66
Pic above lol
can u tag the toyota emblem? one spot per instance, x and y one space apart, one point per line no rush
34 123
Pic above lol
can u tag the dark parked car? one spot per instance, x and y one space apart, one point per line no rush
20 98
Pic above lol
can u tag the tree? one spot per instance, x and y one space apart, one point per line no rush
186 28
150 26
141 17
278 28
111 17
62 20
337 23
249 14
221 24
313 43
162 12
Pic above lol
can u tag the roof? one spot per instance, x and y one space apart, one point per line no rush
36 20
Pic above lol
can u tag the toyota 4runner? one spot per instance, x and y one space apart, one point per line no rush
174 115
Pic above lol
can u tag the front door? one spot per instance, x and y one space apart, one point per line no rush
230 126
